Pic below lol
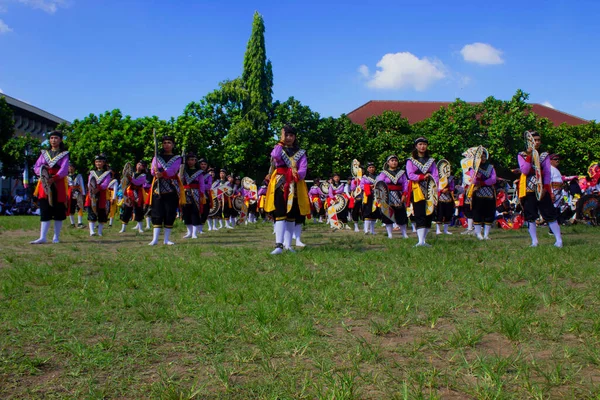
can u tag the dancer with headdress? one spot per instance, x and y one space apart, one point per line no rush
336 196
193 184
316 201
206 195
535 191
445 207
397 185
356 194
134 198
167 191
483 194
370 211
97 200
287 194
423 175
75 197
52 167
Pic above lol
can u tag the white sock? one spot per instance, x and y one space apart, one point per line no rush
79 220
139 226
446 226
72 219
190 228
533 233
437 229
201 228
470 224
556 231
44 228
356 227
421 235
57 228
123 227
298 234
167 236
91 224
372 227
279 232
403 230
220 223
100 227
110 221
389 228
486 230
155 234
478 231
287 237
366 226
148 222
425 235
414 227
195 232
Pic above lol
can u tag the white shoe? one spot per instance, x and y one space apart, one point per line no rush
169 243
93 234
486 238
448 233
290 250
38 241
559 245
194 237
479 237
278 250
187 235
153 243
467 232
300 244
533 245
58 241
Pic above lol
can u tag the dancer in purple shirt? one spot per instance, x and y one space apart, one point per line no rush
166 190
193 183
484 197
56 163
421 168
533 207
397 184
133 195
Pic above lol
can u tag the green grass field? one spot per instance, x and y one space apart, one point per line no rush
349 317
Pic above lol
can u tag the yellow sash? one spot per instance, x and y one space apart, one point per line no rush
301 190
417 192
523 186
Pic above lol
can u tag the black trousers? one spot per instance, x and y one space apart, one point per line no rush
445 211
191 214
164 209
399 215
484 210
205 211
533 207
101 216
58 212
281 213
356 211
422 220
367 210
128 212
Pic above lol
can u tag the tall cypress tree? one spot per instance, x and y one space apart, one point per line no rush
258 72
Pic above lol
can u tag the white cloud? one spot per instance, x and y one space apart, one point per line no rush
482 53
547 104
401 70
1 91
49 6
364 71
4 28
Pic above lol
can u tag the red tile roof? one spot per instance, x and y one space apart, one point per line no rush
416 111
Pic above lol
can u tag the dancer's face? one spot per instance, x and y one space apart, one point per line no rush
422 147
393 163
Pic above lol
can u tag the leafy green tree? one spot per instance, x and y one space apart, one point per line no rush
388 133
13 155
7 125
121 138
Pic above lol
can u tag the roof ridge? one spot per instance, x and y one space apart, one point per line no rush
562 112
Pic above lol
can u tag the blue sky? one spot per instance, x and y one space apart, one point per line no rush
75 57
